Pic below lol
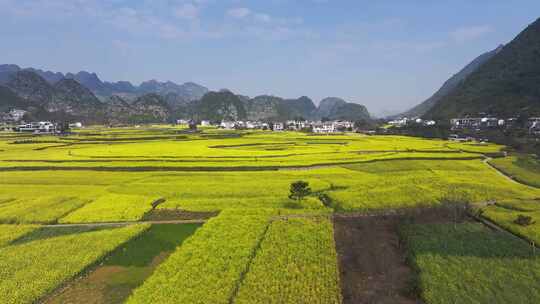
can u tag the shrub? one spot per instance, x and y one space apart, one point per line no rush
524 220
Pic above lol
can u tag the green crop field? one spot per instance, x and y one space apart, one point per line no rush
33 267
9 233
468 263
208 267
60 194
296 263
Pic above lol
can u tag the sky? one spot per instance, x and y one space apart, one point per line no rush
387 55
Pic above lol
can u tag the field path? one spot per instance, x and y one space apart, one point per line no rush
508 177
201 221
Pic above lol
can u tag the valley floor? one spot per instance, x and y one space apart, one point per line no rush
158 215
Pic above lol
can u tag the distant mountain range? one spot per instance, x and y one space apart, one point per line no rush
83 96
226 105
502 83
176 93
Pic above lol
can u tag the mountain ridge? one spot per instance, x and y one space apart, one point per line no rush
505 86
450 84
187 91
69 99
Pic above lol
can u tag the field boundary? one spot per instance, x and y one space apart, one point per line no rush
243 274
513 178
127 223
225 169
494 226
504 174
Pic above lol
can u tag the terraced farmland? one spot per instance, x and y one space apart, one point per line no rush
109 209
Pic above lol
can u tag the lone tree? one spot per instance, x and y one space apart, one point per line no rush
299 190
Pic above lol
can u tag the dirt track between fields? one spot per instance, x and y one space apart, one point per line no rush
508 177
200 221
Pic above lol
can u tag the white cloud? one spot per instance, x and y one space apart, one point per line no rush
465 34
239 12
152 19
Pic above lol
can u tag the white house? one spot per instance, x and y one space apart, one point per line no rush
228 125
253 125
76 125
37 127
278 126
324 127
399 122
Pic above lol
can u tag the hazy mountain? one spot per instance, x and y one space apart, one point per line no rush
71 97
327 106
186 92
67 99
335 108
152 108
450 85
507 85
273 108
264 107
10 100
6 70
31 87
302 107
350 111
74 97
222 105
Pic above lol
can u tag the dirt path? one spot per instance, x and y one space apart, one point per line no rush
372 264
508 177
201 221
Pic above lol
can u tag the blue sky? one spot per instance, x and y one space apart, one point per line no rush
388 55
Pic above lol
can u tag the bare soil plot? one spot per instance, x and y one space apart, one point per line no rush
373 266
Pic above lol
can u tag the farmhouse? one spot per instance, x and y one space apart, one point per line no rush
476 123
295 125
278 126
227 125
37 127
324 127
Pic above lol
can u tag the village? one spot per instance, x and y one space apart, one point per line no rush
290 125
13 120
532 124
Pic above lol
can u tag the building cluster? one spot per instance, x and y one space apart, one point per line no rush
14 120
405 121
290 125
484 123
37 127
